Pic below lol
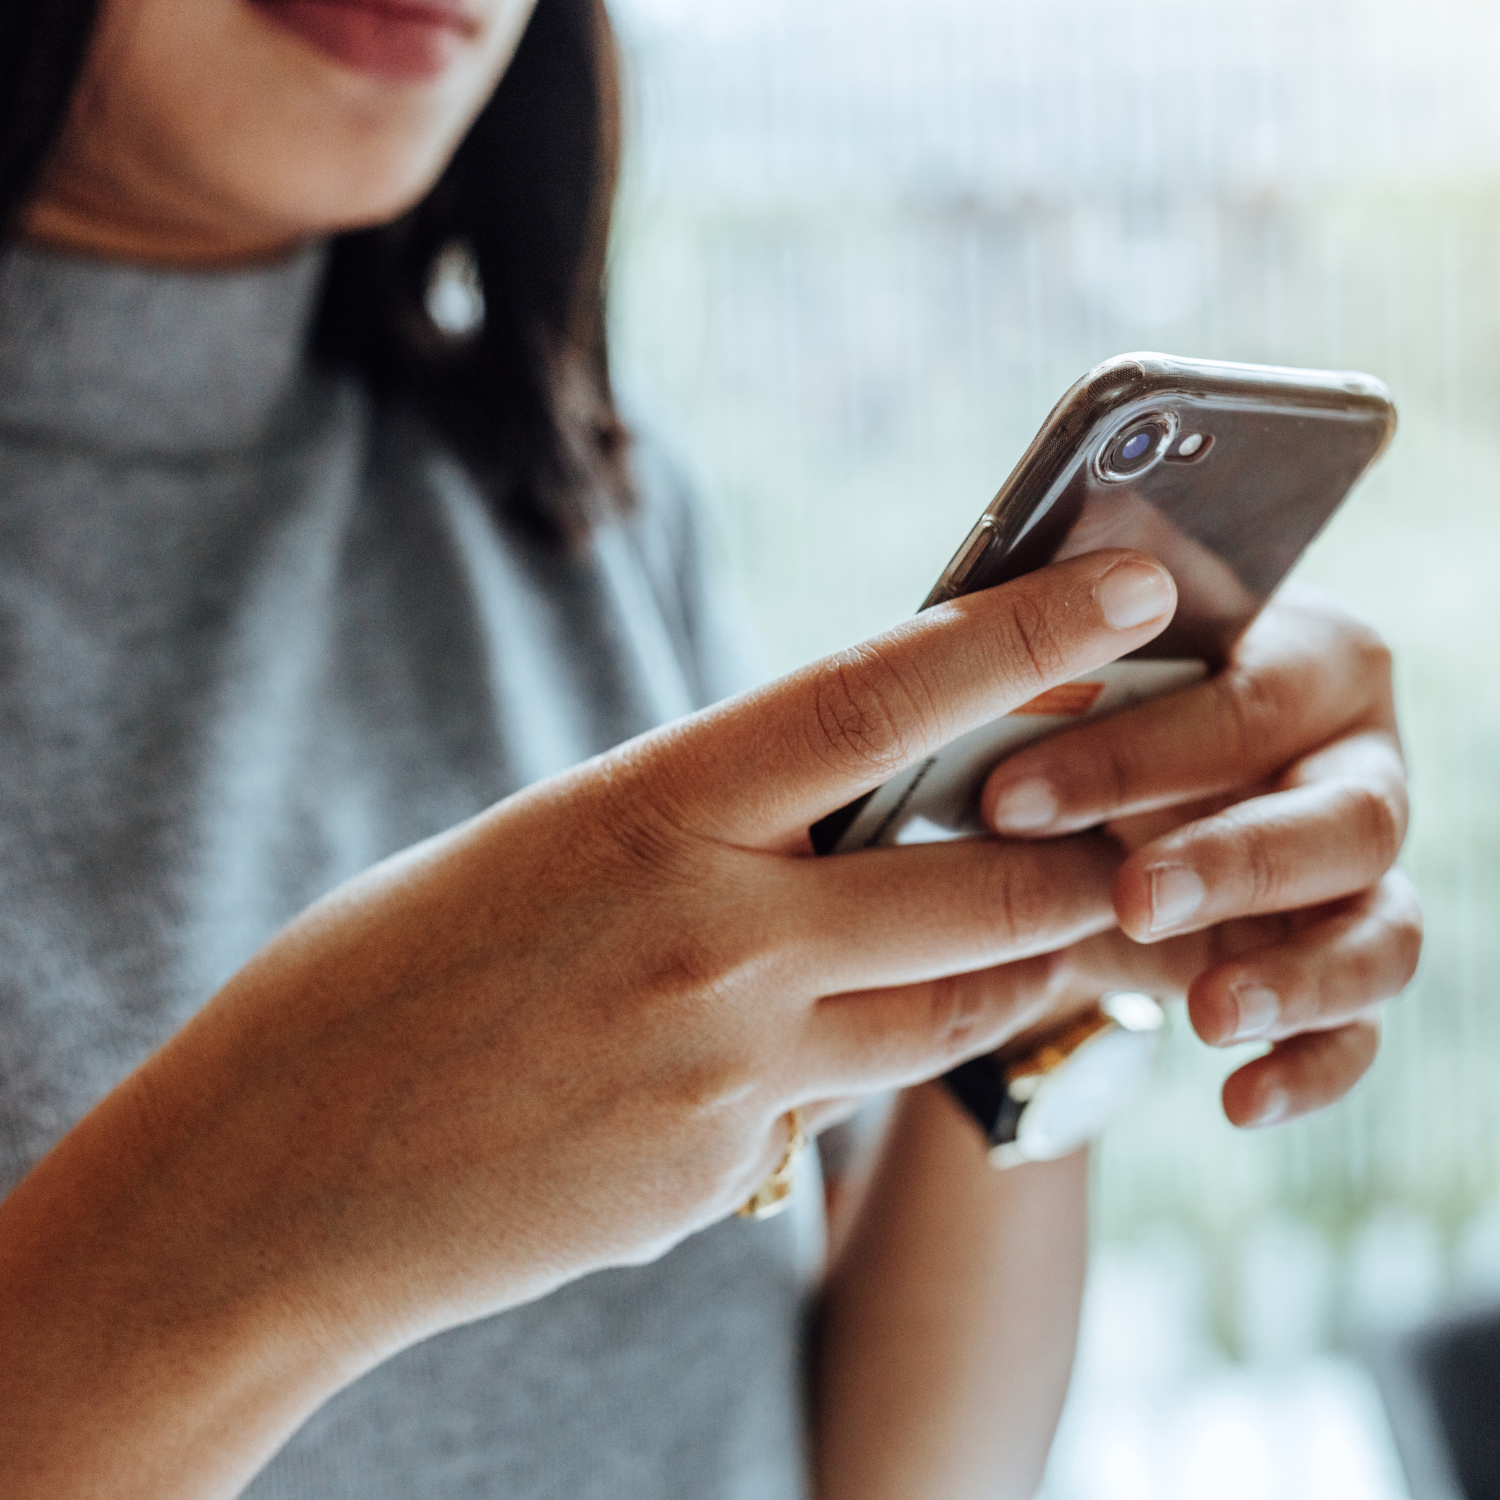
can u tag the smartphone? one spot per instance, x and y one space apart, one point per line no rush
1222 472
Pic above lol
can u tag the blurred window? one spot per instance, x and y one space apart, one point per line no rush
865 244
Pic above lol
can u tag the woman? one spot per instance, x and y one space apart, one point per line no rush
434 1195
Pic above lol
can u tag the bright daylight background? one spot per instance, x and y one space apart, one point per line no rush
864 246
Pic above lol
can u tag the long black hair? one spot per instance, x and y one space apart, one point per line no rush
525 399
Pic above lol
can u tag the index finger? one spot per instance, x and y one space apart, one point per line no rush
762 767
1302 677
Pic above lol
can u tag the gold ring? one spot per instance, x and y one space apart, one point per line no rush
775 1193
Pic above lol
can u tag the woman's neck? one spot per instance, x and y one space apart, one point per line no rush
80 212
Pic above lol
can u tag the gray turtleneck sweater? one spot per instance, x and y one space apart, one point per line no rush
257 632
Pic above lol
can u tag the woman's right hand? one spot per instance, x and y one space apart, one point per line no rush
557 1038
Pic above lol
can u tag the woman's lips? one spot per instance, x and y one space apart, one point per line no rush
409 41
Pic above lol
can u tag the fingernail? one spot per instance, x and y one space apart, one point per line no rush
1274 1105
1258 1009
1132 593
1025 806
1176 893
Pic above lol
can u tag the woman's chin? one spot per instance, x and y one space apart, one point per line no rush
244 227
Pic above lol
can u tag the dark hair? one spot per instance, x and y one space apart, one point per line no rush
526 398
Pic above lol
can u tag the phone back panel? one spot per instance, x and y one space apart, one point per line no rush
1270 455
1241 467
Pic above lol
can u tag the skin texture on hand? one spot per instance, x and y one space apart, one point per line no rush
948 1322
440 1092
558 1038
562 1036
1265 809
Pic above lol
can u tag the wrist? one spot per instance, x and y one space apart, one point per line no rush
156 1344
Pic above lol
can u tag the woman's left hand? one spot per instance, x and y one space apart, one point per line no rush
1264 810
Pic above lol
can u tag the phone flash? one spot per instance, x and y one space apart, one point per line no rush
1190 444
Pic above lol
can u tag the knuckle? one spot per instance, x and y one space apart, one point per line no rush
1327 1065
706 1055
1360 981
866 712
1330 1064
714 1084
1400 800
1007 905
692 970
1251 703
647 846
1368 648
1034 644
692 974
1406 937
1409 956
958 1013
1115 772
1358 656
1379 822
1262 870
1363 1042
644 813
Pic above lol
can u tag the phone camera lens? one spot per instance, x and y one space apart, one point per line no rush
1135 449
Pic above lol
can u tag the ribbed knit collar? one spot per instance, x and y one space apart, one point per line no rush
104 355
